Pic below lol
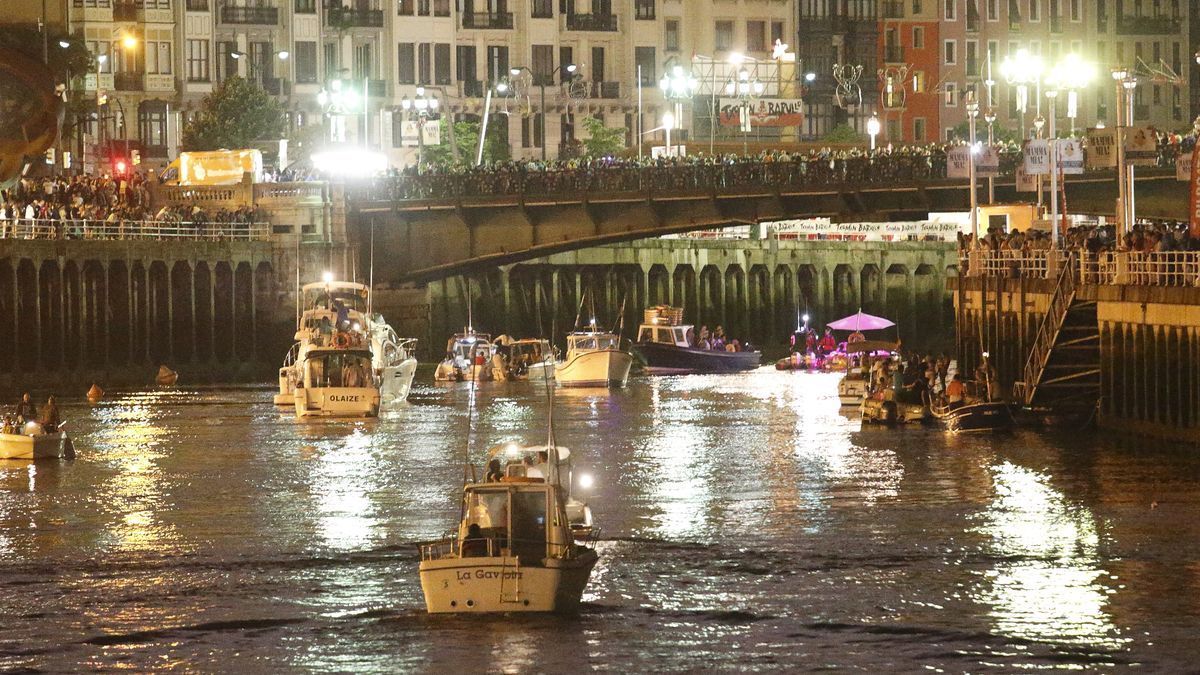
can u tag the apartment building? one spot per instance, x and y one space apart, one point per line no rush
909 103
833 34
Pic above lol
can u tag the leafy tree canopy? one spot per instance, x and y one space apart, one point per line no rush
843 133
1000 133
72 60
466 137
235 115
602 141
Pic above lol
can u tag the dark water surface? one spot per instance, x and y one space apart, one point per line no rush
746 525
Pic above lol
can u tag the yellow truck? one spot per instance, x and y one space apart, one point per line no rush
214 167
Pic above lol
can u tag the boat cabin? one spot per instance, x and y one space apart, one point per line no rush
338 368
670 335
516 517
470 347
590 342
528 351
321 295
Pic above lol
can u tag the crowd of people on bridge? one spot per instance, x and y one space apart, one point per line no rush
1150 237
84 205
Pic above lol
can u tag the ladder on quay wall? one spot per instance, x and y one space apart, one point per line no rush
1062 372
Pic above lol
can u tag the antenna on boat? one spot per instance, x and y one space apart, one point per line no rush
470 318
551 444
621 318
579 310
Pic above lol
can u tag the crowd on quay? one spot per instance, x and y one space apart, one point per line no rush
1156 237
84 205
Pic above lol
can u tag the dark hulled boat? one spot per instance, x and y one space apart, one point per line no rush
982 416
664 346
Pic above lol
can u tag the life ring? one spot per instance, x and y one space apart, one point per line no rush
341 340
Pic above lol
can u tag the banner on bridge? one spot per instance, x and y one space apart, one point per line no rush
764 112
1025 182
1037 157
1183 167
1141 146
1069 154
957 159
1101 148
822 227
432 132
987 162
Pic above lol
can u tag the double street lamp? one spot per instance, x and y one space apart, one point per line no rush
568 68
337 101
421 106
873 129
677 86
1126 84
745 89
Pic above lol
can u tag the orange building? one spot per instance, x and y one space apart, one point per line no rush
910 63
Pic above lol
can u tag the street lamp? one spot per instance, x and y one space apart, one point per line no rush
1052 94
1022 69
568 68
990 118
1073 73
1129 84
873 129
972 112
668 125
677 86
423 107
745 89
336 102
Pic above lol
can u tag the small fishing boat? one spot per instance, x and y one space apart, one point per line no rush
852 388
469 356
34 443
526 359
594 359
980 416
166 377
664 343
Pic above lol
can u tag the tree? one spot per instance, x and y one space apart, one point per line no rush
235 115
843 133
602 141
1000 133
466 137
69 61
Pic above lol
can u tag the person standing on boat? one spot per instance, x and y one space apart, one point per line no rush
50 418
494 472
955 391
26 411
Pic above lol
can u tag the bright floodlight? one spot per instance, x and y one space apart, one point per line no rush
668 121
129 42
327 277
585 481
350 162
736 58
64 44
571 67
1073 72
502 87
809 77
514 71
805 317
283 54
873 126
1022 67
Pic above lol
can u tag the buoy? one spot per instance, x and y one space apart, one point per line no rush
166 377
68 447
95 393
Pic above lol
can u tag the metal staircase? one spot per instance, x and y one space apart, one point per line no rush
1062 373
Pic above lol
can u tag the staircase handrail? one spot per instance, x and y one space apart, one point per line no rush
1048 329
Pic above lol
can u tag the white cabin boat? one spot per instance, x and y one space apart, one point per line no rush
514 549
469 356
338 319
526 359
594 359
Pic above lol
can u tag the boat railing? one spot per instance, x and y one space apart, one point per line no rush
493 546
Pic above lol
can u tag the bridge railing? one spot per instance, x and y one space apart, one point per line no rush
1108 268
132 230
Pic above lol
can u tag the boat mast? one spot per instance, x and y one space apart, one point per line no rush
470 319
551 447
371 272
621 319
579 310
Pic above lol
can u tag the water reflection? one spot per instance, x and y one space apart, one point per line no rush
1046 583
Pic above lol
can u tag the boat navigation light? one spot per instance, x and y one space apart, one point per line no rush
585 481
512 449
805 317
327 277
356 325
985 355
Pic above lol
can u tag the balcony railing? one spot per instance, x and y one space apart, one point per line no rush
1149 25
487 20
263 16
126 230
92 4
892 9
357 18
542 10
124 11
594 22
129 81
196 5
893 54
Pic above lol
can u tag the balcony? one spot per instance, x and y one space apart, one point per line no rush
893 54
1146 25
196 5
129 81
592 22
406 8
305 7
262 16
488 20
606 90
542 10
892 9
92 4
354 18
124 11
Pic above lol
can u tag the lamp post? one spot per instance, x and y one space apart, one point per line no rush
972 112
422 107
1020 70
1118 76
745 89
569 68
873 129
668 124
990 118
1052 94
1129 84
336 102
677 86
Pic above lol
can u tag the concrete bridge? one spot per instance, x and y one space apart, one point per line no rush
431 227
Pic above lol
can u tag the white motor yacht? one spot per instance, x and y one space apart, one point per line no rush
469 356
527 359
594 359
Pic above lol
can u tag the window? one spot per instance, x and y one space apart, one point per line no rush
645 59
671 35
949 10
152 123
331 58
949 134
1076 13
777 33
227 65
1033 10
756 36
158 58
919 129
197 61
306 62
543 9
918 38
99 49
950 95
918 82
526 132
542 64
1013 47
465 64
993 10
972 58
406 65
497 62
441 63
950 52
916 6
424 64
644 9
723 39
1157 95
566 56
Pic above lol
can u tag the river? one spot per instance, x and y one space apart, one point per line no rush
746 524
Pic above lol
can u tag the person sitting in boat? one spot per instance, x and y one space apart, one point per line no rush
49 418
955 391
810 341
26 411
718 340
828 342
704 337
494 471
856 336
474 545
343 315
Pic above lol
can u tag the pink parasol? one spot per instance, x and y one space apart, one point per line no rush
861 321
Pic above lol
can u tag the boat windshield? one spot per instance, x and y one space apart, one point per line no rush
464 349
502 511
352 298
671 335
592 342
340 370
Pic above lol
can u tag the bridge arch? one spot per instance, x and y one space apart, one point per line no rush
871 288
685 294
658 283
845 292
223 312
182 323
159 284
27 327
265 301
8 315
735 304
140 292
898 300
95 298
761 311
785 299
50 313
712 300
202 286
120 327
